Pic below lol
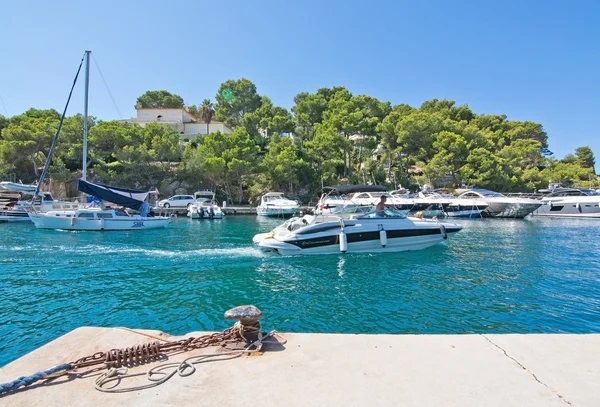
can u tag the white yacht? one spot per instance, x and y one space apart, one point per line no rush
454 207
276 204
500 206
205 206
570 202
335 200
371 232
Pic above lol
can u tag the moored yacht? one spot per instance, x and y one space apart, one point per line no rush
570 202
371 232
22 201
276 204
501 206
335 200
205 206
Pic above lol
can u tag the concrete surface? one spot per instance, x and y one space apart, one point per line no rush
338 370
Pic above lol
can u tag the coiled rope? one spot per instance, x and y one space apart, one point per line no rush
163 372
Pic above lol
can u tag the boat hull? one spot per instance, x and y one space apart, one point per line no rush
14 216
464 213
196 215
44 221
276 212
569 209
509 210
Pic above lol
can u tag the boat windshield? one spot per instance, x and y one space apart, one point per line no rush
387 213
379 194
487 193
270 198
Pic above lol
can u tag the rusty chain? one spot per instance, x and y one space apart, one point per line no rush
151 351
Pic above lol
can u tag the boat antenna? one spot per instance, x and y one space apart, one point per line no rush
60 123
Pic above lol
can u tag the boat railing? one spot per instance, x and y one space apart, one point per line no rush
529 195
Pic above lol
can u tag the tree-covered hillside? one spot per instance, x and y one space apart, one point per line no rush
337 138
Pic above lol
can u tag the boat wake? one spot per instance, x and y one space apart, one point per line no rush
99 250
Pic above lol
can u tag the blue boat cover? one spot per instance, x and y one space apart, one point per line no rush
129 198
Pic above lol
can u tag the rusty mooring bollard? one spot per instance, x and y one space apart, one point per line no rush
248 315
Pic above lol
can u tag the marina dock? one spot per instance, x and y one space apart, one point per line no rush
337 370
228 210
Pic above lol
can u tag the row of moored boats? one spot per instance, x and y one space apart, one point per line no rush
347 218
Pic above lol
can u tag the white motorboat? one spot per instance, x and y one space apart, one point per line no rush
276 204
501 206
205 206
570 202
452 207
95 219
329 234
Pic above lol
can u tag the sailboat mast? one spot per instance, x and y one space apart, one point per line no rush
85 113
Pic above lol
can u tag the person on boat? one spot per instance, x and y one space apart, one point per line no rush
380 208
122 212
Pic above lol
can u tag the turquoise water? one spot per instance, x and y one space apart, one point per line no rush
496 276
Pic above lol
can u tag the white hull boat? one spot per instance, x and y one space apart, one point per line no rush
205 206
570 203
366 233
95 220
14 215
500 206
276 204
17 211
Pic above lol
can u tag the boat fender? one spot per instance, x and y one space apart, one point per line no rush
550 203
443 232
383 237
72 220
212 212
458 207
578 206
101 223
343 242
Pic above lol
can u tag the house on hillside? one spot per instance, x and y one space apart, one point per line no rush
187 125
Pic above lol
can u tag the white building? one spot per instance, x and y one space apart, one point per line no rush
181 120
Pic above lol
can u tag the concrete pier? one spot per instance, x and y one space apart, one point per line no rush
338 370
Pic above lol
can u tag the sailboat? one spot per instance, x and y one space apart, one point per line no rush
96 218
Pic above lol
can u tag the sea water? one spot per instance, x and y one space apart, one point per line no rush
495 276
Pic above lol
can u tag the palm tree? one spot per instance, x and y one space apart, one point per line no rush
206 111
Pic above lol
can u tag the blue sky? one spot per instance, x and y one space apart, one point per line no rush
531 60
